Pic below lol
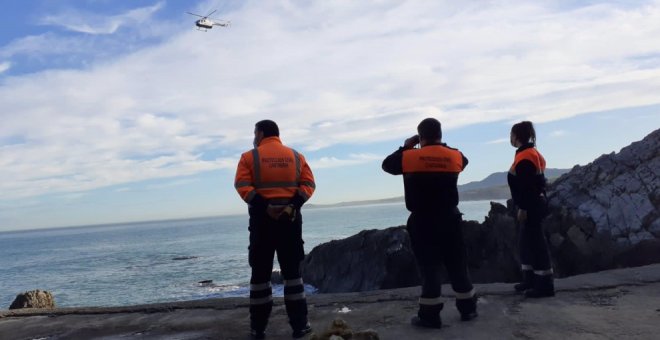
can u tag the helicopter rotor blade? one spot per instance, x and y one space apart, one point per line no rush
208 15
197 15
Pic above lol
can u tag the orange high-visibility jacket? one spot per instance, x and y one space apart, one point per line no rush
273 170
532 155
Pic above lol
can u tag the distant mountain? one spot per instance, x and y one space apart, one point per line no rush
493 187
499 179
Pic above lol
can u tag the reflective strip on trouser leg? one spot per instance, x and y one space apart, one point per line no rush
261 304
544 272
526 267
431 301
466 295
295 303
260 293
294 289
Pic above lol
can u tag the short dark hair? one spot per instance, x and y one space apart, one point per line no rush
524 132
429 129
268 127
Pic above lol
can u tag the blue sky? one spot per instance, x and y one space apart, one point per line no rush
115 111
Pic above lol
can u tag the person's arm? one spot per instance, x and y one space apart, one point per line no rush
393 164
245 185
527 185
465 161
306 186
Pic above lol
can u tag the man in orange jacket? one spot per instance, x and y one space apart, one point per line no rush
430 174
275 181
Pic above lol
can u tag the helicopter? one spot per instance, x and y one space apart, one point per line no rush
206 23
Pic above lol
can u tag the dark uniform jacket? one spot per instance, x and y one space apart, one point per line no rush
527 179
430 176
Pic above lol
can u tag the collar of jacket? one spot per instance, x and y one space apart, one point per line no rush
434 143
269 140
525 147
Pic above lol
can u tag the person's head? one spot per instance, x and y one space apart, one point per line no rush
523 133
263 129
429 131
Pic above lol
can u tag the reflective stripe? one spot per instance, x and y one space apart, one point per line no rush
276 185
526 267
242 184
309 184
297 296
250 196
261 301
294 282
431 301
259 286
257 166
467 295
297 157
543 272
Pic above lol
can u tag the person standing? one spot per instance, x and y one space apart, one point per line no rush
275 181
527 183
430 175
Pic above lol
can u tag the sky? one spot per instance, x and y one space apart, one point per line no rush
117 111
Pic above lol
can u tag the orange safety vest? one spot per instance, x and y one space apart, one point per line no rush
531 155
432 158
273 171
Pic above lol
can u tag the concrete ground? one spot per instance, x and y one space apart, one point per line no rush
616 304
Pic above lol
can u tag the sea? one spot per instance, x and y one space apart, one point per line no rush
165 261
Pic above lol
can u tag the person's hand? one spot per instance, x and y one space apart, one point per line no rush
411 142
290 213
522 215
274 211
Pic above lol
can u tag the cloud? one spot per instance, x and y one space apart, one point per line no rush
558 133
92 23
353 159
4 66
350 74
498 141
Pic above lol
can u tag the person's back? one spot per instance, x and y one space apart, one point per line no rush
275 181
430 179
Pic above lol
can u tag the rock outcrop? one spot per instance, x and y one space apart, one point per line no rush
606 214
33 299
370 260
603 215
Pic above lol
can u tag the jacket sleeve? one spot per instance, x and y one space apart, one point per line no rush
306 186
465 161
528 193
244 184
393 164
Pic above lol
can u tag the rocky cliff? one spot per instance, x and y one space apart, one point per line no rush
602 215
606 214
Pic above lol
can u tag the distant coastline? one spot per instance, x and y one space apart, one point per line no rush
493 187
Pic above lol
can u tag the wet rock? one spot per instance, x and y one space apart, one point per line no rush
33 299
276 277
372 259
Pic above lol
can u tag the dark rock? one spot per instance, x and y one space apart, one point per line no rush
33 299
603 215
370 260
276 277
181 258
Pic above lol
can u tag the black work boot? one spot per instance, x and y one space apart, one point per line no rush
297 312
544 286
428 316
254 334
259 319
527 282
299 333
467 308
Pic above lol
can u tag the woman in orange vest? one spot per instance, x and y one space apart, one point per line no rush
527 183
